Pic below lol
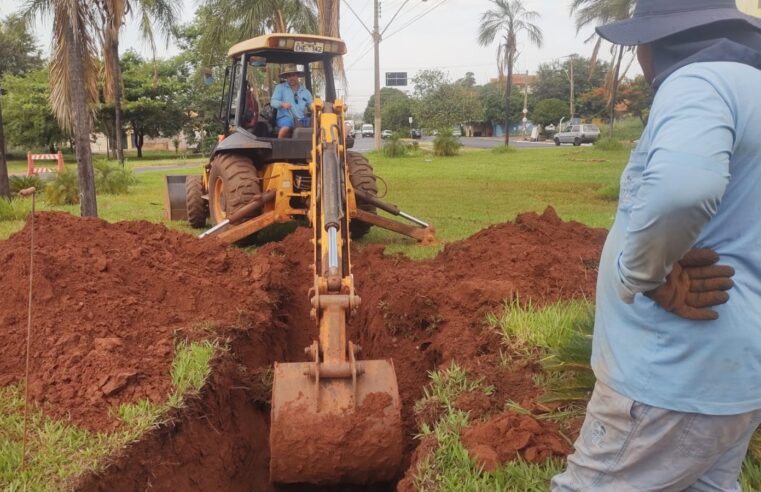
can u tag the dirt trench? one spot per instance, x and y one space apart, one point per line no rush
112 299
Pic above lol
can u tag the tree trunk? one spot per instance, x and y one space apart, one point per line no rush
116 90
139 144
5 186
81 125
614 91
508 89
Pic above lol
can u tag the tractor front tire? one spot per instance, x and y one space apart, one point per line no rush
233 183
362 177
196 206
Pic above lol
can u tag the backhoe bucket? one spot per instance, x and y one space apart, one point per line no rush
332 428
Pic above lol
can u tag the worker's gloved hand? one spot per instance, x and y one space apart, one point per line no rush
695 284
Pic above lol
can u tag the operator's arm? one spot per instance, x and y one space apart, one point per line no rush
685 177
276 101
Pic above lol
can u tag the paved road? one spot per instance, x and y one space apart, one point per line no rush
366 144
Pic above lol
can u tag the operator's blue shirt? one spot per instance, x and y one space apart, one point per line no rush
299 100
693 180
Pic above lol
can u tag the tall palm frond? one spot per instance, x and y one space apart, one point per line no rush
73 35
595 12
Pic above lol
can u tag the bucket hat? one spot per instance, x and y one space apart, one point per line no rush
656 19
289 69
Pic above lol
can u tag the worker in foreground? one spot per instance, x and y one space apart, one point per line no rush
677 344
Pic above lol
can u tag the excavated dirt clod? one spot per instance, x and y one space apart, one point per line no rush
111 301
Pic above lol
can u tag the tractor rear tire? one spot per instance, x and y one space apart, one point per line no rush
362 177
233 183
196 206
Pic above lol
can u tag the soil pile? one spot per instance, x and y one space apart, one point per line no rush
110 300
107 301
515 434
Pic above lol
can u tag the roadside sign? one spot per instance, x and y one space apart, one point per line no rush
396 79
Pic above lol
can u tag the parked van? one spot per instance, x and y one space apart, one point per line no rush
368 130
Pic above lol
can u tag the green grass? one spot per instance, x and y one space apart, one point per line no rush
463 194
59 451
448 467
546 328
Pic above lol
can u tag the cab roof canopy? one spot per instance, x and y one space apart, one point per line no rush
290 48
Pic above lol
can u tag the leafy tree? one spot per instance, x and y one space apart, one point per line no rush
552 79
508 20
426 82
492 99
18 54
468 81
450 104
162 13
396 108
549 111
30 121
593 103
638 97
151 104
73 82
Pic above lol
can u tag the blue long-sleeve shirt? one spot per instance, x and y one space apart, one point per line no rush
299 101
694 180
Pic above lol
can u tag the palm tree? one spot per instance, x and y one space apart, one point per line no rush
112 16
508 20
602 12
235 20
73 82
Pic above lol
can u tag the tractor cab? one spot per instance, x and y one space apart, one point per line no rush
247 116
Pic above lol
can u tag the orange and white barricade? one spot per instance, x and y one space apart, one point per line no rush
30 158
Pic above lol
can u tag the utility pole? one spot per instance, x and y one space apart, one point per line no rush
573 106
525 104
376 47
5 187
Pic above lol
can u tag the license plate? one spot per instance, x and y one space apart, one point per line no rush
307 47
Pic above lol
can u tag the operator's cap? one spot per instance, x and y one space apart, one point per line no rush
290 68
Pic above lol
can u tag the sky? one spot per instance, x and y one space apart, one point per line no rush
426 34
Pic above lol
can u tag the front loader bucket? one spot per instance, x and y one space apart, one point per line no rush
327 430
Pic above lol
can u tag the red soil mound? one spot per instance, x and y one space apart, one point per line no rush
109 299
508 434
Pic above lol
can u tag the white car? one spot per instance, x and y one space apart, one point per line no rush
368 130
578 134
386 134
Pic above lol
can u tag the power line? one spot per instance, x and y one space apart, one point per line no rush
441 2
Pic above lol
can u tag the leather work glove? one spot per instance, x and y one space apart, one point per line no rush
695 284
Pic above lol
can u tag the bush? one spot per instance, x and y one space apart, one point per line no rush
16 209
19 183
112 179
503 149
609 144
445 144
63 190
394 147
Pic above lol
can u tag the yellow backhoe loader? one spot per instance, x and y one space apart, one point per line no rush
335 418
